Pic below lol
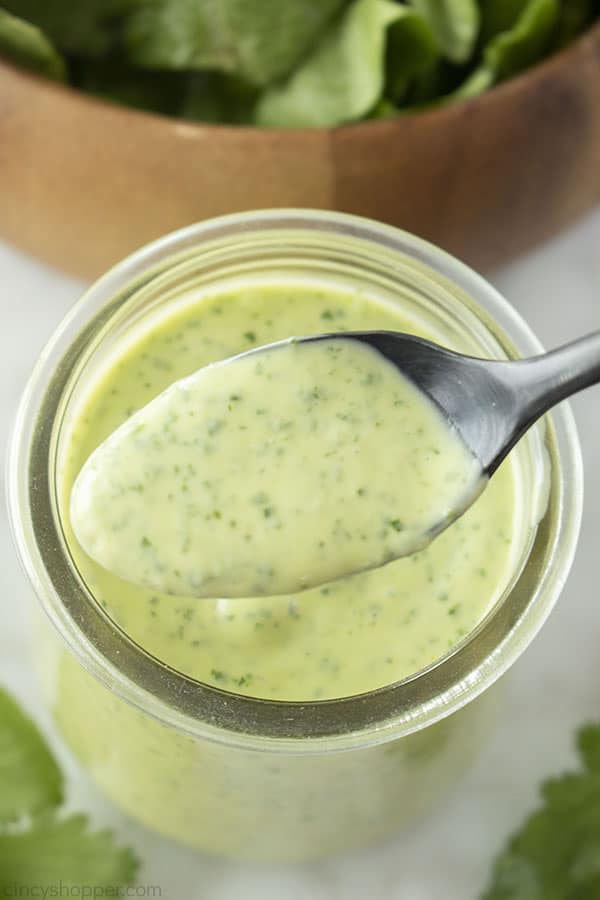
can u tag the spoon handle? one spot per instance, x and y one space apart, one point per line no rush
547 379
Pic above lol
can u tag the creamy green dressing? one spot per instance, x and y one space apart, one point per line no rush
345 637
273 472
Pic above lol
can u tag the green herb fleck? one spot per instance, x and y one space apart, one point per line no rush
218 675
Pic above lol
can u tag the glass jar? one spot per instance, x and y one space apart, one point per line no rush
232 774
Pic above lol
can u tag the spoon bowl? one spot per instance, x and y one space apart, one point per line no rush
491 403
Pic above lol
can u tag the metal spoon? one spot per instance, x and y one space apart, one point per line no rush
124 493
492 403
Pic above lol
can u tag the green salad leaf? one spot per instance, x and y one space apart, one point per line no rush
113 80
214 97
434 85
498 16
412 51
556 853
574 17
343 79
38 848
87 27
198 96
455 24
27 46
287 63
258 40
526 41
477 83
511 50
30 780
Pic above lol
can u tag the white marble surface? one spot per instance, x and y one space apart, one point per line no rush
555 686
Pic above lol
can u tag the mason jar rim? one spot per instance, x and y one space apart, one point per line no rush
200 709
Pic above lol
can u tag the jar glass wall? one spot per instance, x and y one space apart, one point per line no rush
234 774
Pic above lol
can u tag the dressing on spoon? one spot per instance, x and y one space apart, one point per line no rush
274 471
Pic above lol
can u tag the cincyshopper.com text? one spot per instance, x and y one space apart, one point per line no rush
17 891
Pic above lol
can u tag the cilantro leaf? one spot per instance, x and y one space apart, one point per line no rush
515 879
37 848
27 46
258 40
556 853
455 23
63 853
343 78
87 27
30 779
588 744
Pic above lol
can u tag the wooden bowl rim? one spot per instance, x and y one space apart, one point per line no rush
530 78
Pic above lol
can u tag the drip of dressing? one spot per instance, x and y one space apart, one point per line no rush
273 472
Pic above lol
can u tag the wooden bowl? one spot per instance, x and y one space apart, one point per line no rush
83 182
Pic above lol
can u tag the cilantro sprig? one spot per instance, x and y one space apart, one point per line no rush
287 63
556 853
38 845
